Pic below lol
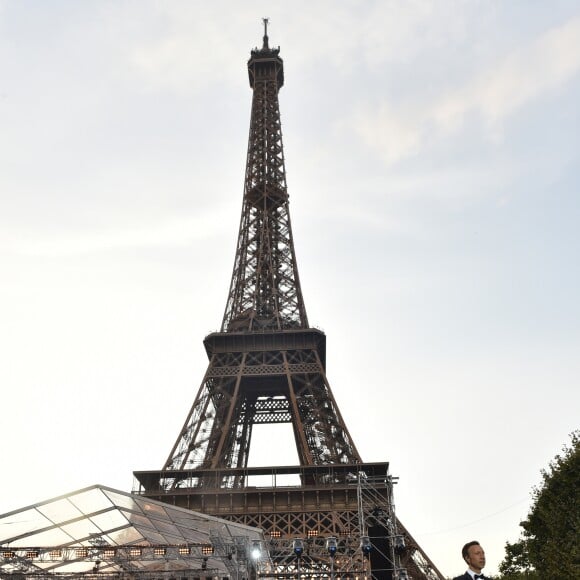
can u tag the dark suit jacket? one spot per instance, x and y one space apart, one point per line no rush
466 576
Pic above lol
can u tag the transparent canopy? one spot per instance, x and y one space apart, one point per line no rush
99 530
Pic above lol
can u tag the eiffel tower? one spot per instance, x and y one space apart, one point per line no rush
331 515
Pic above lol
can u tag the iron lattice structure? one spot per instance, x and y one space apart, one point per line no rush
267 366
265 291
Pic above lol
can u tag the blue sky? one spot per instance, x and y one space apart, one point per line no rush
432 156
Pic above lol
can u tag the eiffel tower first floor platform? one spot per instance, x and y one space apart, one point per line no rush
303 512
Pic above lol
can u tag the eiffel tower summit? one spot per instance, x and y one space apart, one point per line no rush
332 515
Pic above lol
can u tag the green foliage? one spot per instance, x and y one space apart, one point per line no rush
516 564
548 547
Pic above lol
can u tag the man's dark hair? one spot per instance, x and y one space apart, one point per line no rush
465 549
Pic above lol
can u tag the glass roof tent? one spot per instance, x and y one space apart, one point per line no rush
100 530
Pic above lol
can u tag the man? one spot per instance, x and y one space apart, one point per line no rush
474 556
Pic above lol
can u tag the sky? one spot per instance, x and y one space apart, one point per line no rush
433 165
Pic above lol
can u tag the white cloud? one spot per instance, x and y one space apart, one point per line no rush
183 45
186 46
393 133
494 94
524 75
171 232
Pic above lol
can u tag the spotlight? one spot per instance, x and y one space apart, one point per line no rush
207 550
331 546
365 544
204 564
159 551
399 545
183 550
298 547
256 551
403 574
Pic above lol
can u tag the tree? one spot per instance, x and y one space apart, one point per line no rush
516 565
549 541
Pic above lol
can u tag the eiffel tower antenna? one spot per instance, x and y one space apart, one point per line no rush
268 366
265 21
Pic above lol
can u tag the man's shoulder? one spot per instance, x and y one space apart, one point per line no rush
464 576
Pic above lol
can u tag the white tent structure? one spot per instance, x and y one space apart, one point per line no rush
102 532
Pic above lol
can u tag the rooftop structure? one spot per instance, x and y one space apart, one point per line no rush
104 532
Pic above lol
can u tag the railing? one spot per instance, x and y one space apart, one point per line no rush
245 479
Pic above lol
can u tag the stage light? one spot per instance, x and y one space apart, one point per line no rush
298 546
204 564
159 551
275 534
365 544
134 551
108 552
183 550
81 552
312 533
403 574
31 554
54 554
331 546
256 550
399 545
207 550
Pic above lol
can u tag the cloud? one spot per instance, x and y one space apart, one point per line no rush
524 75
180 46
180 231
494 94
185 45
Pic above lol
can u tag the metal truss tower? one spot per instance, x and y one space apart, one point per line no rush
268 366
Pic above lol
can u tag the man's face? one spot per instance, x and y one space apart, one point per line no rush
475 558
